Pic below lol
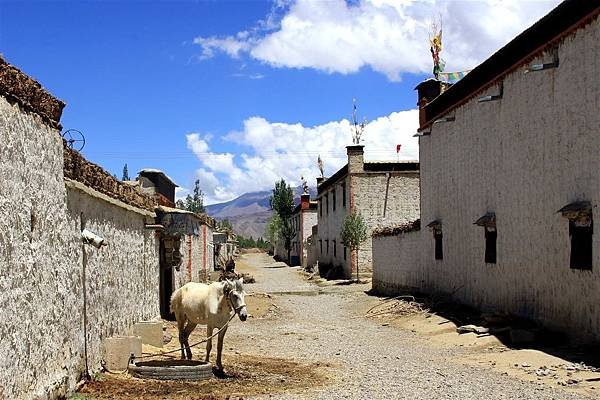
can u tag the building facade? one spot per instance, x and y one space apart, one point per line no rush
383 193
510 181
302 220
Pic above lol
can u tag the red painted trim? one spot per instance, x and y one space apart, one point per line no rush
205 249
189 265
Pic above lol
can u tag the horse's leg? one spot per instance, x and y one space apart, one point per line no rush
220 347
181 328
187 332
209 332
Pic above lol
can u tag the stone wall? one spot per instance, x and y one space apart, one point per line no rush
42 258
197 257
384 199
122 277
40 277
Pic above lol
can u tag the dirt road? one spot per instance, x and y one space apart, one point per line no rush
306 341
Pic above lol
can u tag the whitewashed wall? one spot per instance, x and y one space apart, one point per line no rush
522 157
197 257
40 277
41 265
396 263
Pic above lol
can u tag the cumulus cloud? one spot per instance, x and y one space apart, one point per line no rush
389 36
276 150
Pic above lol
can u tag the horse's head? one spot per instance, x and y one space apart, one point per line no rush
234 291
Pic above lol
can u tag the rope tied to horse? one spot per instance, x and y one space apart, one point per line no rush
134 357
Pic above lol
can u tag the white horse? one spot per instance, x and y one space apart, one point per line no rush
211 305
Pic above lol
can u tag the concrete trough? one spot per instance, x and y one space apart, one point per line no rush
171 370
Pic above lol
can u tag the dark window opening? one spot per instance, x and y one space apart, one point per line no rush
581 244
439 249
333 199
490 245
344 194
344 253
327 245
334 249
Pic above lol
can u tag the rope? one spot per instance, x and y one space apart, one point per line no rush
181 348
133 357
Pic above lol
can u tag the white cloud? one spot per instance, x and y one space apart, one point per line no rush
389 36
278 150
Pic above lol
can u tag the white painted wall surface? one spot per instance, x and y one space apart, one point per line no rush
522 157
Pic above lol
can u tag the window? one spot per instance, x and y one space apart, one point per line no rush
581 244
344 253
490 245
333 198
436 229
334 249
327 245
439 249
344 194
581 230
488 222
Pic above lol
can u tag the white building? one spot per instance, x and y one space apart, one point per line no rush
501 152
383 193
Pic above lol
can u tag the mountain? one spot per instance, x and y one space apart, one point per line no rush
250 212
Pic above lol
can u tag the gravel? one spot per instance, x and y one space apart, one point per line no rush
370 361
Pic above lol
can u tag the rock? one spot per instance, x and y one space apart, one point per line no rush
472 328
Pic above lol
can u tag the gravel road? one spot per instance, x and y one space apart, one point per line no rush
370 361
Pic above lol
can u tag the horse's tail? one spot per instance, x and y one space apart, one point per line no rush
175 300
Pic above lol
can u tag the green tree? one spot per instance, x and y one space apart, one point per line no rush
125 173
225 225
273 229
195 202
354 232
282 202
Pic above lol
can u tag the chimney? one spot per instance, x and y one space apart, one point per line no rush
356 159
427 90
304 201
320 180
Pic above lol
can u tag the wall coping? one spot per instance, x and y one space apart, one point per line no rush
17 87
71 184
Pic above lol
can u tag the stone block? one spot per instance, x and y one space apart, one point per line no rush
118 349
150 332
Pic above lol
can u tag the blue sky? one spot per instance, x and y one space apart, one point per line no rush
239 93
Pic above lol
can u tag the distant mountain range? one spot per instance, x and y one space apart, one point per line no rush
250 212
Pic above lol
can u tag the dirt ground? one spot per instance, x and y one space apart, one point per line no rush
308 339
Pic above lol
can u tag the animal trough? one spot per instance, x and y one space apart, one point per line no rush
171 370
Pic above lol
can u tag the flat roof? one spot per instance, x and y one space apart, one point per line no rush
154 171
561 21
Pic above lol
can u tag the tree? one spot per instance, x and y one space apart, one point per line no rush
180 204
125 173
273 229
282 202
195 203
354 232
225 225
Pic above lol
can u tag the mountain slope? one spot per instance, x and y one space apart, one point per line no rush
250 212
